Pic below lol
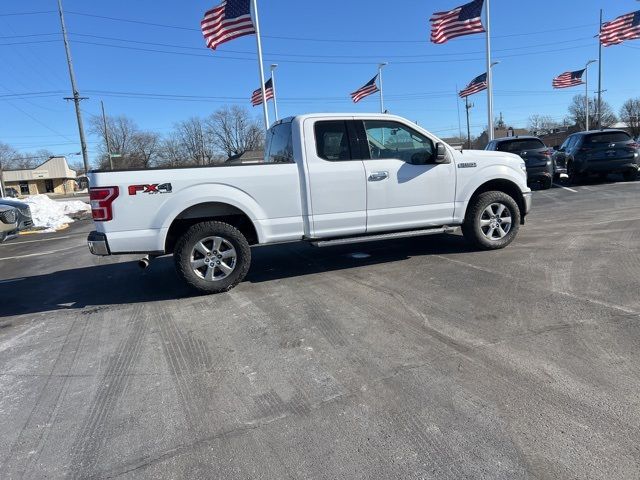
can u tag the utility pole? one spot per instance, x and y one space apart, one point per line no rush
106 135
467 107
76 95
458 106
599 114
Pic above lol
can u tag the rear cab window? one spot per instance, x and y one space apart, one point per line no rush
519 145
279 144
332 140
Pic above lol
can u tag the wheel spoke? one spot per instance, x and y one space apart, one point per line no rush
501 232
490 232
201 248
500 209
209 274
506 220
217 241
228 254
226 269
198 263
484 222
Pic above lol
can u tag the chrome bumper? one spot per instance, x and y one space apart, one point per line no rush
527 201
98 244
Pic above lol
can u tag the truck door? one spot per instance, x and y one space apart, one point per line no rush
335 180
405 187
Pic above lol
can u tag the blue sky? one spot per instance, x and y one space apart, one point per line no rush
332 47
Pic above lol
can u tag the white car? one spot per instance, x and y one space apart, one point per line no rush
8 222
327 179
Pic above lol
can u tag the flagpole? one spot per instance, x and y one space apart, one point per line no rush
273 86
599 114
489 74
259 43
586 88
380 66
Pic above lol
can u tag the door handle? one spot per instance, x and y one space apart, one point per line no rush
378 176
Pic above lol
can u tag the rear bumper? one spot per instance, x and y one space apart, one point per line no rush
98 244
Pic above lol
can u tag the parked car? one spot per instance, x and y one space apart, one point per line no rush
25 222
10 192
599 152
537 157
329 179
8 222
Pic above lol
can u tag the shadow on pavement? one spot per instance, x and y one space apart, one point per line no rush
125 283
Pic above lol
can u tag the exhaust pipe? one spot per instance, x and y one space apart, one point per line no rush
144 262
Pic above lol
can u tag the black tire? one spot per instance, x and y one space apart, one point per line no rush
3 235
574 178
476 211
186 248
630 175
546 183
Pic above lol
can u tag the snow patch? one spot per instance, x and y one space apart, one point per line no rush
52 215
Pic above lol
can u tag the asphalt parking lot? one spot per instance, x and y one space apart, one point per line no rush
424 359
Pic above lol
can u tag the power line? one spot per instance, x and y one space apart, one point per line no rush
387 41
25 13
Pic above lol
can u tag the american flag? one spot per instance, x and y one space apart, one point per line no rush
568 79
231 19
625 27
464 20
477 85
367 89
256 97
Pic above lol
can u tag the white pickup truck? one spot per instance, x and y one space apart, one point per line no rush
327 179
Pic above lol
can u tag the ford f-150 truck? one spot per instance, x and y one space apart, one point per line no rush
326 178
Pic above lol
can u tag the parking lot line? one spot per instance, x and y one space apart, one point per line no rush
43 239
50 252
565 188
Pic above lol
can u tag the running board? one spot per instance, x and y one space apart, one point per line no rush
383 236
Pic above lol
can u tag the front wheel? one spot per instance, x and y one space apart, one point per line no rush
212 257
492 220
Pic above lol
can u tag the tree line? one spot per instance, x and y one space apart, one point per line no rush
229 131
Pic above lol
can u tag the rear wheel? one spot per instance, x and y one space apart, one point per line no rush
3 235
212 257
574 178
546 183
492 220
630 175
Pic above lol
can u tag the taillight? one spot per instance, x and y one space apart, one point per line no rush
635 145
101 200
547 153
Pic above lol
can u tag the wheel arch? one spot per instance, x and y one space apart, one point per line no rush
206 211
501 185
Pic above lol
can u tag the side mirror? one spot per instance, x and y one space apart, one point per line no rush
556 148
441 153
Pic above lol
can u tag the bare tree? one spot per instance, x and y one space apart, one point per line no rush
194 136
233 131
172 153
578 116
541 124
145 146
630 114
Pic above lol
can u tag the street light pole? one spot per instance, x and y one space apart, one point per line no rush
380 67
586 88
273 86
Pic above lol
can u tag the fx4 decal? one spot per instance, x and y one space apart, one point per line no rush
153 188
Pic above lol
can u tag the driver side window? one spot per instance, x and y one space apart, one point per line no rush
388 139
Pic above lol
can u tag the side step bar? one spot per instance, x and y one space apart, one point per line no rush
383 236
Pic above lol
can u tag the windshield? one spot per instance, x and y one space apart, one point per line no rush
608 137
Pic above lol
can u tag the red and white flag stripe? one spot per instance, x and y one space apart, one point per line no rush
218 29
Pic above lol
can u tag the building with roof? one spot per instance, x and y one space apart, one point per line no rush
52 176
